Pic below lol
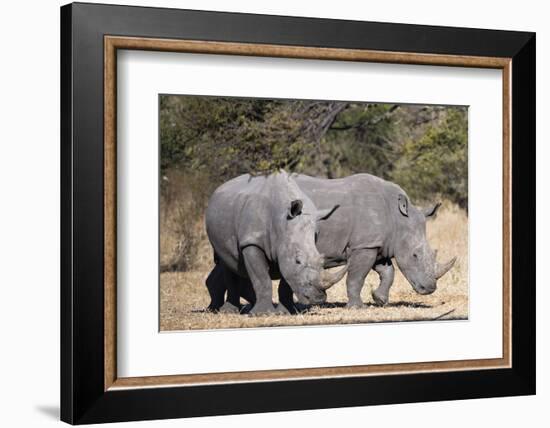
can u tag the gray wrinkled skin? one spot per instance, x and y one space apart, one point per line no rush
263 228
375 223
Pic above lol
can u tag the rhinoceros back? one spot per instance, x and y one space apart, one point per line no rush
362 219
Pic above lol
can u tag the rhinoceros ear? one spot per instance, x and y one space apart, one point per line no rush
295 208
430 212
324 214
403 205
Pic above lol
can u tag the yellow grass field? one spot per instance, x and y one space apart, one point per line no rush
183 295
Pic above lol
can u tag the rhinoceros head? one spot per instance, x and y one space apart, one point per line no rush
300 263
416 260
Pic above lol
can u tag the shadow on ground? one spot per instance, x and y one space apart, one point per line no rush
304 309
399 304
51 411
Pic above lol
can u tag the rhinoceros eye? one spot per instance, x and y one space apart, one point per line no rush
299 258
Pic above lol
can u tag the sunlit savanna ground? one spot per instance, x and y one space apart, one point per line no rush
183 295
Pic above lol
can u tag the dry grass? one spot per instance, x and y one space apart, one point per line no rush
183 241
183 295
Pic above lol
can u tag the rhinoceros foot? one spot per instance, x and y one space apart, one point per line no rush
355 304
229 308
301 308
212 308
268 309
380 298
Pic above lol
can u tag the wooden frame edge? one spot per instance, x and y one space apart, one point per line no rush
110 188
112 43
300 374
507 213
301 52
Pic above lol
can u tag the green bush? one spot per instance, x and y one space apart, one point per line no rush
436 165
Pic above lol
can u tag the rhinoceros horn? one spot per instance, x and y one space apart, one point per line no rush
328 279
442 269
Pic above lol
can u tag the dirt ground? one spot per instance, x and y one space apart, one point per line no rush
184 297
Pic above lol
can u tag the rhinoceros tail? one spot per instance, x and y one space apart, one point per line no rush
216 258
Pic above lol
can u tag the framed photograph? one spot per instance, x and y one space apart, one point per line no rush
265 213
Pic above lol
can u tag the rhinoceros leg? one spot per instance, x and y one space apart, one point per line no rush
247 291
386 273
233 300
360 263
258 272
216 288
238 287
286 296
